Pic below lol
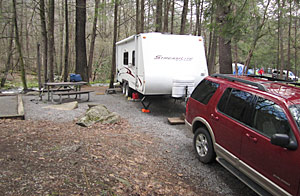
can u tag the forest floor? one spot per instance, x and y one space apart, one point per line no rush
39 157
48 158
48 154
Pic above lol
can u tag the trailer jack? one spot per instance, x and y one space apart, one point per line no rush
146 105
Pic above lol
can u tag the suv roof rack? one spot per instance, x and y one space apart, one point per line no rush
233 79
275 79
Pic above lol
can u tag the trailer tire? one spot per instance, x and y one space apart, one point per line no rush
128 91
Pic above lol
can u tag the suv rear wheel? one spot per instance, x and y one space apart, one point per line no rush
203 146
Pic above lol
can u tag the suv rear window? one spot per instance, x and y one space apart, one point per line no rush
204 91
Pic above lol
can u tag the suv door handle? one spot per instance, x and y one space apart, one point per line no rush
254 139
214 117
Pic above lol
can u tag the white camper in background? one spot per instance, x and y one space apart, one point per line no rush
160 64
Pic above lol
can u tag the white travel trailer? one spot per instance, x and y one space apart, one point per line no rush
160 64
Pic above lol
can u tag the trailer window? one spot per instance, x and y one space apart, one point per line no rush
133 58
125 58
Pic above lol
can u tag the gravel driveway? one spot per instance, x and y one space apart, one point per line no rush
176 146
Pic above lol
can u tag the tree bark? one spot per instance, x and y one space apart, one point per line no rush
183 17
289 42
45 39
142 16
61 42
9 57
66 58
225 57
281 38
158 26
295 44
51 40
23 73
213 53
137 18
92 45
172 16
80 43
166 15
113 66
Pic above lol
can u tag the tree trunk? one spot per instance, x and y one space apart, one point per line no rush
137 18
113 66
200 19
61 42
158 25
166 15
45 39
142 16
51 40
225 57
92 45
66 59
183 17
295 44
23 73
213 53
80 43
197 16
172 16
289 42
281 39
9 57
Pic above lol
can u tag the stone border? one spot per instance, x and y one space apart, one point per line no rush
20 108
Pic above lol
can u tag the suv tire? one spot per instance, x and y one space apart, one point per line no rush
203 146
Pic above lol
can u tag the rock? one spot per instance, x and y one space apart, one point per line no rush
65 106
96 114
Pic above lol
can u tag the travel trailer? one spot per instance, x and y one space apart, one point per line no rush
160 64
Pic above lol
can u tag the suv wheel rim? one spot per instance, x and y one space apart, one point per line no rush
201 145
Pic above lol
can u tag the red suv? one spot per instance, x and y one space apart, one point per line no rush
250 125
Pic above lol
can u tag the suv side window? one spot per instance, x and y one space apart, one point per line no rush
270 119
204 91
236 104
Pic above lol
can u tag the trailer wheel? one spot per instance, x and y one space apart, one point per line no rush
128 91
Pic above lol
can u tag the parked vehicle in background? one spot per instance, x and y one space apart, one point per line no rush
160 64
276 74
251 126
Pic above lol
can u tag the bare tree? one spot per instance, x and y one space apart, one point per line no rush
172 16
22 65
166 15
137 18
51 40
225 57
92 45
80 43
9 56
66 58
142 15
183 17
113 66
45 39
158 25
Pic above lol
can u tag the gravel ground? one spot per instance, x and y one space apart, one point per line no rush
176 146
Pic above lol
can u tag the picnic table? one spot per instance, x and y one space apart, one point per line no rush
65 88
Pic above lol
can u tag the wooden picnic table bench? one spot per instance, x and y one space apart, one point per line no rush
60 94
